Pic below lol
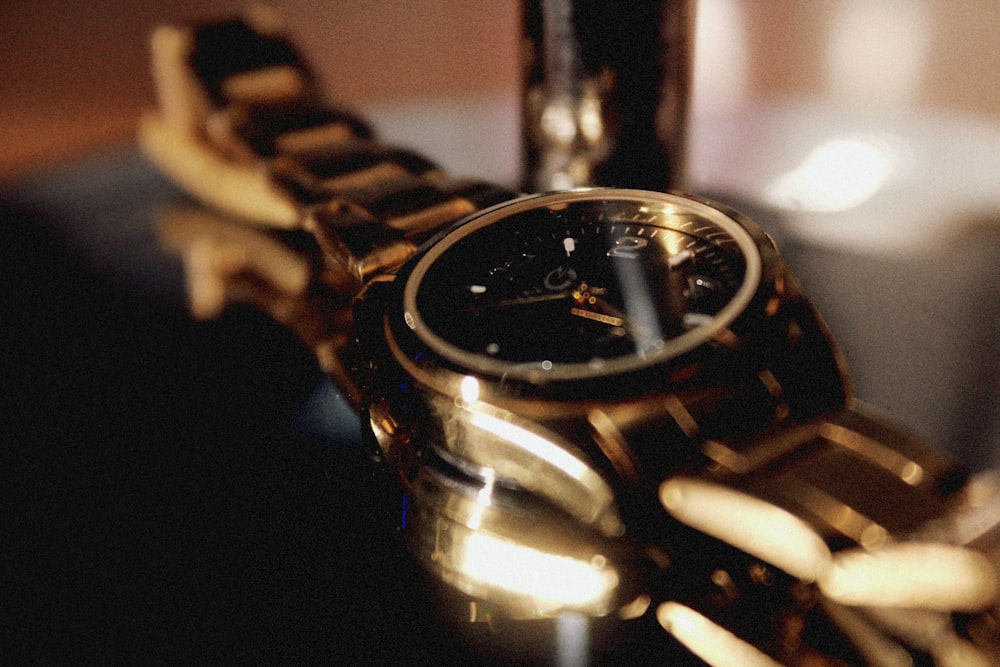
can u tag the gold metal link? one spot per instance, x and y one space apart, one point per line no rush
687 423
874 452
269 85
363 178
312 138
614 445
432 218
743 458
840 516
385 258
770 383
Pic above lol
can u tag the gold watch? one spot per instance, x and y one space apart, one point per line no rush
532 367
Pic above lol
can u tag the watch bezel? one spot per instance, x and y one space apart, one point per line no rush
749 240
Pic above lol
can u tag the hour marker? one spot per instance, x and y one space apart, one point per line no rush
569 243
492 348
692 320
477 289
679 258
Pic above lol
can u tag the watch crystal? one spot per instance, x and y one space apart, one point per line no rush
575 284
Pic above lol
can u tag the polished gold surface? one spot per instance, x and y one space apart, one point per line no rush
530 562
522 507
750 524
713 644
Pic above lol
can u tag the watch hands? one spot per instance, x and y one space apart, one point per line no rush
525 300
590 306
574 294
587 303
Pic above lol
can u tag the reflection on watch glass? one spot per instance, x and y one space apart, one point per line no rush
583 282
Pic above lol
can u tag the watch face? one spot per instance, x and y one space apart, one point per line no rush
578 284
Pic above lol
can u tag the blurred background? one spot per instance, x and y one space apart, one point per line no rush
74 77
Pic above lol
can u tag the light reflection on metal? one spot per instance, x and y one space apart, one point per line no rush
716 646
469 389
838 515
483 500
875 452
748 523
498 545
534 445
553 580
491 443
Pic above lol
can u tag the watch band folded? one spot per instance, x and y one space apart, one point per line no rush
361 208
243 125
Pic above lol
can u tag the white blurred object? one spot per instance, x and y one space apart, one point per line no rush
858 163
871 181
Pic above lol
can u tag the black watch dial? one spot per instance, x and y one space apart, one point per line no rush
580 284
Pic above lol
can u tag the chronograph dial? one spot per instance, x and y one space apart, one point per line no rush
581 283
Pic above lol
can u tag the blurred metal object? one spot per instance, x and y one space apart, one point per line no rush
605 98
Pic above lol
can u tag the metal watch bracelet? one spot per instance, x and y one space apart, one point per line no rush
353 207
332 209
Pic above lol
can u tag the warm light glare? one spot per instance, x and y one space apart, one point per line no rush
469 389
558 123
951 578
716 646
837 175
591 123
749 524
552 580
534 444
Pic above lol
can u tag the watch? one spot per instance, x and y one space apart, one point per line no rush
531 367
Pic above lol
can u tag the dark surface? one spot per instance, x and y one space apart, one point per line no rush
163 499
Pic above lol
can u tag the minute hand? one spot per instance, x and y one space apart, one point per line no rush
521 301
540 298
